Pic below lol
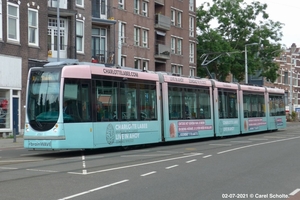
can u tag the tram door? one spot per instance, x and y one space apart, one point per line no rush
16 115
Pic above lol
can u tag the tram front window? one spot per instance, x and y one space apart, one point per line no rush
43 99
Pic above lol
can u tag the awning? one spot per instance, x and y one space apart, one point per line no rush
161 33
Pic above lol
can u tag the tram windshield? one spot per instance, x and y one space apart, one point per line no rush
43 98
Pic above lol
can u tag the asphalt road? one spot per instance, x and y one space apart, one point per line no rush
259 166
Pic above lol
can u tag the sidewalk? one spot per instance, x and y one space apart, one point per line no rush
9 142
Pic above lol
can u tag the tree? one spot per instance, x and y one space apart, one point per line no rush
237 24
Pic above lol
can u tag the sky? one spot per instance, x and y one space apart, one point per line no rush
284 11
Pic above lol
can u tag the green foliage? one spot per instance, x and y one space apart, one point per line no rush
227 26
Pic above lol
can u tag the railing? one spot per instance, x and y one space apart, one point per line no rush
162 2
104 57
62 4
162 22
162 51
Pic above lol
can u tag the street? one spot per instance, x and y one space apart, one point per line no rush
257 166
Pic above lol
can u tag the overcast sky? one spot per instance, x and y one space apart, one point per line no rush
284 11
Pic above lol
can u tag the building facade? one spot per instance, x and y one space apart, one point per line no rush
157 35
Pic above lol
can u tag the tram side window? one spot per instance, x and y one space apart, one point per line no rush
76 106
148 109
261 106
106 102
204 104
246 105
128 100
276 105
227 104
175 103
190 102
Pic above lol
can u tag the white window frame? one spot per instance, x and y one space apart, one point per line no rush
136 5
191 5
79 36
1 24
173 17
179 46
145 8
192 52
123 38
35 28
173 69
137 63
17 20
179 70
179 19
192 72
137 36
192 25
80 3
121 5
145 64
123 61
145 37
173 41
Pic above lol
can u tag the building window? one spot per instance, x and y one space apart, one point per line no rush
136 6
192 50
286 77
179 15
1 21
33 27
123 25
145 64
179 46
176 69
80 3
53 36
79 36
191 7
13 22
99 46
145 38
145 9
137 63
173 69
173 45
173 17
121 4
136 36
179 70
123 61
4 109
192 21
192 72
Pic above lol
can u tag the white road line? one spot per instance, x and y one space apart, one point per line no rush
295 192
258 139
190 161
147 155
41 170
221 144
8 161
140 164
170 151
170 167
207 156
93 190
252 145
8 168
147 174
241 141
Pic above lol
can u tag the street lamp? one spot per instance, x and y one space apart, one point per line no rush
293 48
246 61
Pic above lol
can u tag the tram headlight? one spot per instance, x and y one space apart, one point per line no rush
27 127
55 127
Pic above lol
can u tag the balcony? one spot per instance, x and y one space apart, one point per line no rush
62 4
162 22
103 57
162 51
161 2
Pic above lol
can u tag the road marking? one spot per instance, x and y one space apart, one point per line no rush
295 192
252 145
190 161
41 170
170 167
258 139
274 137
8 161
241 141
8 168
207 156
93 190
140 164
150 155
147 174
221 144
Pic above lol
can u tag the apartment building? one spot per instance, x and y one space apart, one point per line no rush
157 35
23 43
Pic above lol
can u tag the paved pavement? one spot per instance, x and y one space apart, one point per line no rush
9 142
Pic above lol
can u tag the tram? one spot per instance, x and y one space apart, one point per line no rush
90 106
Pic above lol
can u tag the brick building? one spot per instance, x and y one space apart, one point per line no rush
157 35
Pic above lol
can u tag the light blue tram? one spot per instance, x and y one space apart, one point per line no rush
88 106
